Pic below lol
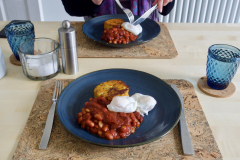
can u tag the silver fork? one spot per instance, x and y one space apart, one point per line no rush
59 86
128 12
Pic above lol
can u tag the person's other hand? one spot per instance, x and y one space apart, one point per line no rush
97 2
161 3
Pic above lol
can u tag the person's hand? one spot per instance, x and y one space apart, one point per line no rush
97 2
161 3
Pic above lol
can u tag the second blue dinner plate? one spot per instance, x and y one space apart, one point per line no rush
156 124
95 27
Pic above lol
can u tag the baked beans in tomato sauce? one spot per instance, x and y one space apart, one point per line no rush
97 119
118 35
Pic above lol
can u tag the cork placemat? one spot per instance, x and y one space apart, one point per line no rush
161 47
62 145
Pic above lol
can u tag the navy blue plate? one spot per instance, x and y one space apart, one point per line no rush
94 30
156 124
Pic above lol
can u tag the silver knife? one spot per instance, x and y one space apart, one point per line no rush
145 15
185 135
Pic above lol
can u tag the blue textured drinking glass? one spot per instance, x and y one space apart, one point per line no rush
222 64
17 33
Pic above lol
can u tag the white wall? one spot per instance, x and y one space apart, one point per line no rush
15 9
53 10
20 10
2 12
34 10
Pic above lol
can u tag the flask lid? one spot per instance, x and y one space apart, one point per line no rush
66 24
66 27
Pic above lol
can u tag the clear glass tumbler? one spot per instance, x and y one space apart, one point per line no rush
17 33
222 64
40 58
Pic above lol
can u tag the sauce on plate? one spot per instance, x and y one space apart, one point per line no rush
97 119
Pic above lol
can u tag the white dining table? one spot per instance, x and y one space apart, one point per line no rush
18 93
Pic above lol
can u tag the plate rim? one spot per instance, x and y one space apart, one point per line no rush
117 45
119 146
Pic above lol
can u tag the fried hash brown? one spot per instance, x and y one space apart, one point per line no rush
111 23
110 89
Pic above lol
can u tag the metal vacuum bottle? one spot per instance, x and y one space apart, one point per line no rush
68 47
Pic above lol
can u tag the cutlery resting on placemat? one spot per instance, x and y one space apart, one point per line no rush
185 135
59 86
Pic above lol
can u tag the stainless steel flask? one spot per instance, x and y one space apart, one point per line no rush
68 47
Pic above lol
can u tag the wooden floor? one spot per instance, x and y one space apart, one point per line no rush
17 93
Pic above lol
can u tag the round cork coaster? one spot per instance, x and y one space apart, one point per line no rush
227 92
14 61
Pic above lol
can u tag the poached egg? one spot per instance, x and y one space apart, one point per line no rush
136 30
122 104
137 102
145 103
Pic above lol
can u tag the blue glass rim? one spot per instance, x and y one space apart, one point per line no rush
219 58
6 28
40 38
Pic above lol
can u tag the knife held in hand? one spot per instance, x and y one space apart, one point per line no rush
185 135
145 15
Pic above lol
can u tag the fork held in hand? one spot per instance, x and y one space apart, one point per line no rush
59 86
128 12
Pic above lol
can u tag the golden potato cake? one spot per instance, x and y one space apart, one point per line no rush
110 89
113 22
